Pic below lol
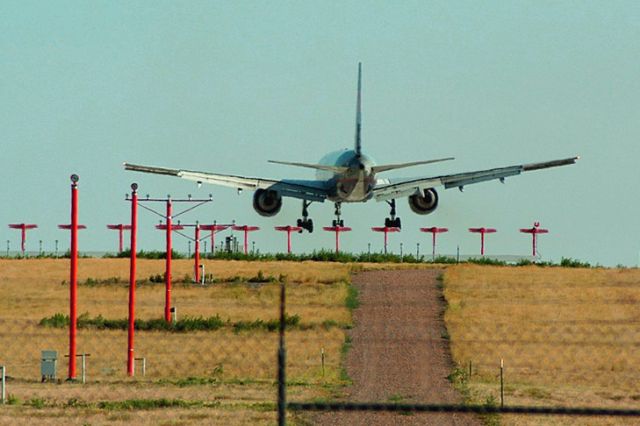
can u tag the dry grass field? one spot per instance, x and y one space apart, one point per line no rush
224 376
568 337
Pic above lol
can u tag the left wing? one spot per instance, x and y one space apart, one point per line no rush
310 190
387 189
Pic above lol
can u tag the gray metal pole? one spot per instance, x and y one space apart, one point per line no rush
4 394
84 366
501 383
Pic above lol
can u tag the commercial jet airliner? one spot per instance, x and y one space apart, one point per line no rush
349 176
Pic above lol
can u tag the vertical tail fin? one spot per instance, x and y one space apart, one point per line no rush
358 145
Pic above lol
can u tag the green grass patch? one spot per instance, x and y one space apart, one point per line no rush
150 404
351 301
186 324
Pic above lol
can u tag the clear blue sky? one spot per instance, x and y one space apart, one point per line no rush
224 86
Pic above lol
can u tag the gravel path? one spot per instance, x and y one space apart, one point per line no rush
397 352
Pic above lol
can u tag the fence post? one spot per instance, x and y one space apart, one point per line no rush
322 359
84 367
501 383
4 394
282 361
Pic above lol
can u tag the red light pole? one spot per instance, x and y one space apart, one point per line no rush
434 231
196 255
196 240
337 230
386 230
132 279
214 229
121 228
288 229
482 231
73 276
246 229
168 227
23 228
534 233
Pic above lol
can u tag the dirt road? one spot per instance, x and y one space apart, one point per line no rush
398 354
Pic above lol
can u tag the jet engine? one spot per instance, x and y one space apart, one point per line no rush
267 202
424 203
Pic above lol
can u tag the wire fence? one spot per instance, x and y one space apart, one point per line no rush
261 347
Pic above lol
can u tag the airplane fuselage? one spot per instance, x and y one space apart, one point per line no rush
356 183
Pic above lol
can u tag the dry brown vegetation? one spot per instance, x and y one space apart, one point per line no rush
568 337
235 370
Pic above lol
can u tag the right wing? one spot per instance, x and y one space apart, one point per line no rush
387 189
310 190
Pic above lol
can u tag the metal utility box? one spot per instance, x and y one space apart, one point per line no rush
48 365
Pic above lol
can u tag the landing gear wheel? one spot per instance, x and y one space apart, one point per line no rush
305 222
337 221
393 221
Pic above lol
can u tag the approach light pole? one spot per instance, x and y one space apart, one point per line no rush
482 231
288 229
337 229
23 227
168 227
214 228
132 280
196 242
120 228
434 230
385 230
246 229
73 276
534 231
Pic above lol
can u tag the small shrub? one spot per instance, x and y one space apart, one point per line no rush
36 403
12 400
568 262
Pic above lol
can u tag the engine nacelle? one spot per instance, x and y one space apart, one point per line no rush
424 203
267 202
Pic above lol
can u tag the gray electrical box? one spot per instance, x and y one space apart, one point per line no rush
48 365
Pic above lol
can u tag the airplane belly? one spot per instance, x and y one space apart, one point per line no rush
352 190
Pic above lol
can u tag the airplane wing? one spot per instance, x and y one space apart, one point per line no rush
387 189
310 190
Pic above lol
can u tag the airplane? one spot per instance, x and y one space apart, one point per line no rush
350 176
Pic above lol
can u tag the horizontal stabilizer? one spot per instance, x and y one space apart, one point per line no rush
547 164
386 167
151 169
333 169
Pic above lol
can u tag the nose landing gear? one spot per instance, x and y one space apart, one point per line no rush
337 221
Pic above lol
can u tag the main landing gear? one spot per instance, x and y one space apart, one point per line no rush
393 221
305 222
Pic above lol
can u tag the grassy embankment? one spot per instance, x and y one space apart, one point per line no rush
568 337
